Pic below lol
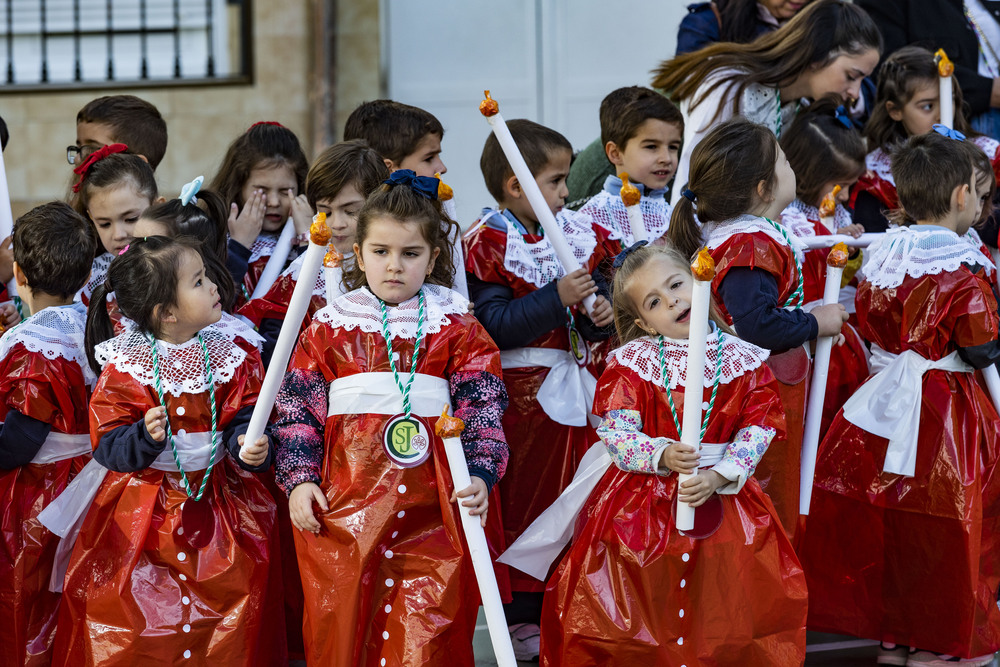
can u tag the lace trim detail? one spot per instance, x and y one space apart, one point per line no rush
913 252
608 211
54 332
642 356
880 162
98 272
361 310
263 246
182 367
988 144
718 233
800 218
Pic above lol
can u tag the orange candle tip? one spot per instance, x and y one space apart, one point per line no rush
489 106
444 190
838 256
630 193
829 205
319 231
944 64
447 426
332 258
703 267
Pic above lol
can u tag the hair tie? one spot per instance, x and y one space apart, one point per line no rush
265 122
96 156
425 186
840 113
687 194
946 131
189 191
623 255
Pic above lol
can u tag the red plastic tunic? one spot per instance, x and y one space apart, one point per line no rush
778 472
155 574
914 560
53 391
633 591
877 180
388 578
543 453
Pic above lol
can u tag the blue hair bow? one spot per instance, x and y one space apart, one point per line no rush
946 131
840 113
425 186
189 191
623 255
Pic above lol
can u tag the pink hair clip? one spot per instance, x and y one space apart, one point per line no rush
124 250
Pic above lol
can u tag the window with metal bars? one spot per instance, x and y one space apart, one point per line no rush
50 44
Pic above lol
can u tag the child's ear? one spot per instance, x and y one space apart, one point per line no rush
20 279
164 314
961 196
142 157
434 256
512 188
764 191
895 112
641 323
390 164
160 199
614 154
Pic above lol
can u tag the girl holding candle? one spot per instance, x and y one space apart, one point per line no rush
677 599
740 183
383 563
174 556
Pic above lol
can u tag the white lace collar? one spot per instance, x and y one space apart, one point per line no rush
880 162
53 332
643 356
182 367
362 310
263 246
799 217
295 268
98 272
718 233
536 263
988 144
607 209
918 251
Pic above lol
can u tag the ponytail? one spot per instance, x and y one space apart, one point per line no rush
683 232
99 325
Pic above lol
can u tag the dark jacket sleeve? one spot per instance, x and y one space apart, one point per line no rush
751 297
868 213
237 261
269 328
237 427
21 437
514 322
698 29
588 329
128 448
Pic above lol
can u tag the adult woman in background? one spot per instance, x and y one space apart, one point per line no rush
739 21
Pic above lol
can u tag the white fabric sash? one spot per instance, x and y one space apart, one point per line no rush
567 392
62 446
888 405
377 394
542 542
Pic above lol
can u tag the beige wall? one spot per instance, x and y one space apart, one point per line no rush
358 72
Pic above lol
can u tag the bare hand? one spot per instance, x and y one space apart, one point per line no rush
302 214
156 423
575 287
830 318
854 231
479 501
9 315
602 315
7 260
300 506
696 491
253 455
245 227
680 458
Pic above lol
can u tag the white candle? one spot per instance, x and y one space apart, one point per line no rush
835 263
865 240
553 231
297 307
694 382
945 71
6 215
332 273
449 429
631 197
828 210
276 262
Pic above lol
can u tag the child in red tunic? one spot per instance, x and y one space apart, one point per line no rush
632 590
386 575
903 536
45 384
740 183
173 557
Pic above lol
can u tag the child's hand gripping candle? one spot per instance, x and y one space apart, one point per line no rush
945 71
631 198
450 428
835 263
332 270
276 262
553 230
828 209
703 270
319 236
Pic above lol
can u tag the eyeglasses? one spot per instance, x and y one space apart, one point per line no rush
76 154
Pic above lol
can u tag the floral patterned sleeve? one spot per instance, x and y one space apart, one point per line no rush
742 456
302 409
629 447
480 399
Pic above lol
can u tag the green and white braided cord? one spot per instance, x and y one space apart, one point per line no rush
796 297
421 316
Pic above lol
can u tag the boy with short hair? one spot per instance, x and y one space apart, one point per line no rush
533 310
44 440
641 130
120 119
406 137
920 430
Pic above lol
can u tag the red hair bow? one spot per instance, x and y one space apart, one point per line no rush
264 122
96 156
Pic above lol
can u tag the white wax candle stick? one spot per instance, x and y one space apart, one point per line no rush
632 199
331 275
276 262
475 539
865 240
817 389
947 101
6 215
297 307
553 231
